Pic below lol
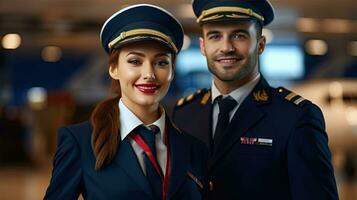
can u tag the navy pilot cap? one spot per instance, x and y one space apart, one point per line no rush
218 10
142 22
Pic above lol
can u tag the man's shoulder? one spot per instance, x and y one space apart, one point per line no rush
288 97
201 96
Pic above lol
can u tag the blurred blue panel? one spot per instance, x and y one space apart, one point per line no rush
191 60
282 62
27 70
351 69
191 71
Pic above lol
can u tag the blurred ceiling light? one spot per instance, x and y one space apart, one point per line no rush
51 54
336 90
316 47
37 98
336 95
351 116
11 41
307 25
61 27
352 48
186 42
268 35
326 25
337 25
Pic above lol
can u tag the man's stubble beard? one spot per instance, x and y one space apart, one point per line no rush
245 70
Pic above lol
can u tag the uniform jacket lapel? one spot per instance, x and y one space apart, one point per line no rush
179 155
248 114
127 160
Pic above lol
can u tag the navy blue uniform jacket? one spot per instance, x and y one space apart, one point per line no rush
275 147
74 174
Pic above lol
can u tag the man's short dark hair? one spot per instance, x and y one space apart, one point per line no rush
258 27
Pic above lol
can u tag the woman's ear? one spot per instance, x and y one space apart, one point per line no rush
113 72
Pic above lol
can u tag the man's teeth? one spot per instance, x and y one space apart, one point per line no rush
228 60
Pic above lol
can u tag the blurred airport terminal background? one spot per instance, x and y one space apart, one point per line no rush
53 71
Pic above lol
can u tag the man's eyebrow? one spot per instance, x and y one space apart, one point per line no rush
241 31
212 32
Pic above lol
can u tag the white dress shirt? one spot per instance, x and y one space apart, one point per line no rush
238 94
129 121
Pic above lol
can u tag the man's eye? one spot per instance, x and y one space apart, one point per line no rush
163 63
239 36
214 37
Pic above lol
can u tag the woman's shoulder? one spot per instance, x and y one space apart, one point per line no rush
83 126
80 131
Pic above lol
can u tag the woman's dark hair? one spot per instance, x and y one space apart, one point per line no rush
105 122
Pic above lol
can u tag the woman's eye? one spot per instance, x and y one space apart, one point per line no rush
134 62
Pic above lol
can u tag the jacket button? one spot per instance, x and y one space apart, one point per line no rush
210 186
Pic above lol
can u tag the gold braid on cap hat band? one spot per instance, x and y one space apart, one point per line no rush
218 10
124 36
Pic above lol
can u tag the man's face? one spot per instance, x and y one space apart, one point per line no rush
232 50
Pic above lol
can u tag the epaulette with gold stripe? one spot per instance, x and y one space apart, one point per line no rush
290 96
202 92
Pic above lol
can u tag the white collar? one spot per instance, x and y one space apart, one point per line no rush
238 94
129 121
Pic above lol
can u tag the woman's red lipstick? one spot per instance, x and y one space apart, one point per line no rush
147 88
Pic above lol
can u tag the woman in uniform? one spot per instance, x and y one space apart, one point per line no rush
130 149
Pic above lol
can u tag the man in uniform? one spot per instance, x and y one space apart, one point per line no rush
266 143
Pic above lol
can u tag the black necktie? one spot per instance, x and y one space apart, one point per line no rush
225 106
152 175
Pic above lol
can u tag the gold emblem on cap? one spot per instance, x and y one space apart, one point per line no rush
226 9
261 95
214 17
138 32
237 16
